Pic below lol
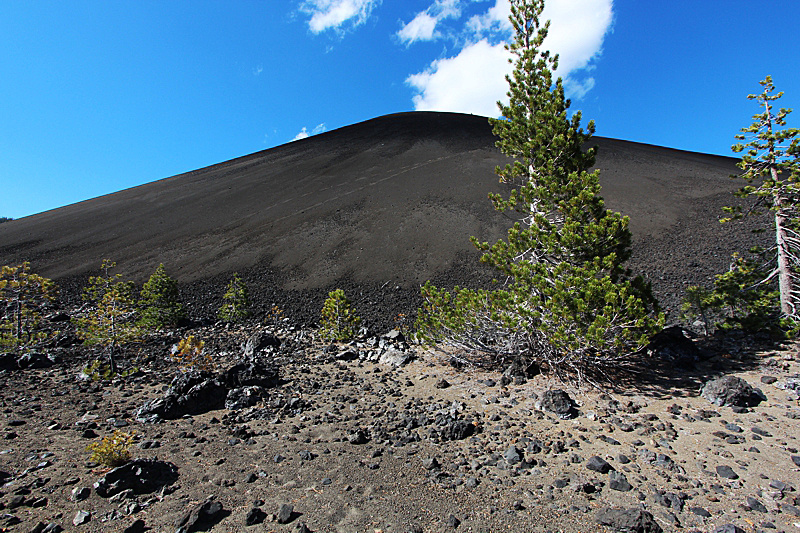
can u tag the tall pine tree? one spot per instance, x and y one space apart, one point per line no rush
568 302
771 167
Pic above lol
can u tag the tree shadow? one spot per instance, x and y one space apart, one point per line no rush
657 376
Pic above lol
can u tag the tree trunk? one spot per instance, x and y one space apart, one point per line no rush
784 264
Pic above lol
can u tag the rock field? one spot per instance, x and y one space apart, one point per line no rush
292 434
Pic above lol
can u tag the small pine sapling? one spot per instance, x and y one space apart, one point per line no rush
338 320
23 296
189 355
159 301
112 450
111 322
235 302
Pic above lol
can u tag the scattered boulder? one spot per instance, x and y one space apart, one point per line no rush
260 340
394 357
36 360
142 476
285 513
628 520
252 372
189 393
201 516
598 464
672 345
558 402
10 361
731 391
244 397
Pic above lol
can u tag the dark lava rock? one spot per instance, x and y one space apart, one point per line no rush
796 460
258 341
731 391
669 499
522 368
244 397
558 402
442 384
140 475
199 517
618 481
598 464
251 372
672 345
628 520
726 472
138 526
452 429
190 393
359 436
285 513
255 516
453 522
728 528
756 505
512 455
36 360
699 511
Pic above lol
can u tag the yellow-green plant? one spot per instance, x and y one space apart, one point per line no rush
111 321
99 371
235 302
338 321
23 295
112 450
189 355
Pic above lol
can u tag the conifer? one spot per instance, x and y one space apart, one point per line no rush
567 302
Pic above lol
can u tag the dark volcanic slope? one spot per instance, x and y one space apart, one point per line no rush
377 207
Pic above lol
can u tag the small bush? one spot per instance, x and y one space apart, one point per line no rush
99 371
189 355
112 450
159 301
236 302
740 299
338 321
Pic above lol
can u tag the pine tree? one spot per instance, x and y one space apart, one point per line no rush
236 301
23 296
111 321
159 301
567 302
771 167
338 320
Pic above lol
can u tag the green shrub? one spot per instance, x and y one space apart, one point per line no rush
112 450
740 299
23 297
235 302
338 320
159 301
111 322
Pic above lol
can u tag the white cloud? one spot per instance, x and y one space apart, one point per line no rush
470 82
423 26
304 133
333 14
474 79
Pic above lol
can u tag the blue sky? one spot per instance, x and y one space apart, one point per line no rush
98 96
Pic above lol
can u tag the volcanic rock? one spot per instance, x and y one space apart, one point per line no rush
140 475
731 391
